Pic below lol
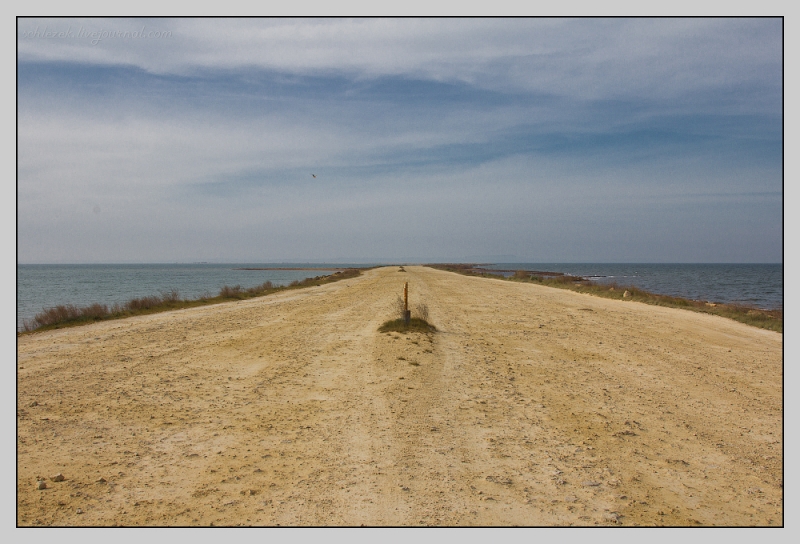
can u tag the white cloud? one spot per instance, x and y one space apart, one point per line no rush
587 58
181 164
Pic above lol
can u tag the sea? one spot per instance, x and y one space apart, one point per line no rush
755 285
41 286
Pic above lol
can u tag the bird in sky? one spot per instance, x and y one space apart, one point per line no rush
313 175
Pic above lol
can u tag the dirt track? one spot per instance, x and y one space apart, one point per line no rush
531 406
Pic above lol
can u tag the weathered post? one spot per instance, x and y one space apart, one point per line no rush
406 312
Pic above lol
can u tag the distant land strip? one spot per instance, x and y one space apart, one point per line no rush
533 272
473 268
289 269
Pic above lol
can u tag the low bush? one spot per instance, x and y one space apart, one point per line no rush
71 315
231 292
399 325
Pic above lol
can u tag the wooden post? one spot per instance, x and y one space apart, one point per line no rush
406 313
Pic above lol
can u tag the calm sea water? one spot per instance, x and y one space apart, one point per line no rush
759 285
44 286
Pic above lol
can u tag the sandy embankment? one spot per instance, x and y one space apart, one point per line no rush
532 406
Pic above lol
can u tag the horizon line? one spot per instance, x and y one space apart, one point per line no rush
397 262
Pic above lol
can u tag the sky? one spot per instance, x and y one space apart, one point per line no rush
432 140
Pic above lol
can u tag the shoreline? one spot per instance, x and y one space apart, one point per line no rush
770 318
66 316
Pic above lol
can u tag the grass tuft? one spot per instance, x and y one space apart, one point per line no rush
415 325
422 311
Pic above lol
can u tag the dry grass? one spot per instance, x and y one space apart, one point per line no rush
399 325
418 323
399 308
422 311
69 315
756 317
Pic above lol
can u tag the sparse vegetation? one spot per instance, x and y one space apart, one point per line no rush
418 322
399 325
422 311
765 319
69 315
399 307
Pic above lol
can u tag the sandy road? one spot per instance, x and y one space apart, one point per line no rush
531 406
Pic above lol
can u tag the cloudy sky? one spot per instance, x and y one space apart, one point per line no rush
528 140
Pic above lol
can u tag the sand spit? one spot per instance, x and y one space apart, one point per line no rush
295 268
531 406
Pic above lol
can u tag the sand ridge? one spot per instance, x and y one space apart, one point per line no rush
531 406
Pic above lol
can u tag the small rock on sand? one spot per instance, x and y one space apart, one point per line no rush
41 484
58 477
613 517
499 480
